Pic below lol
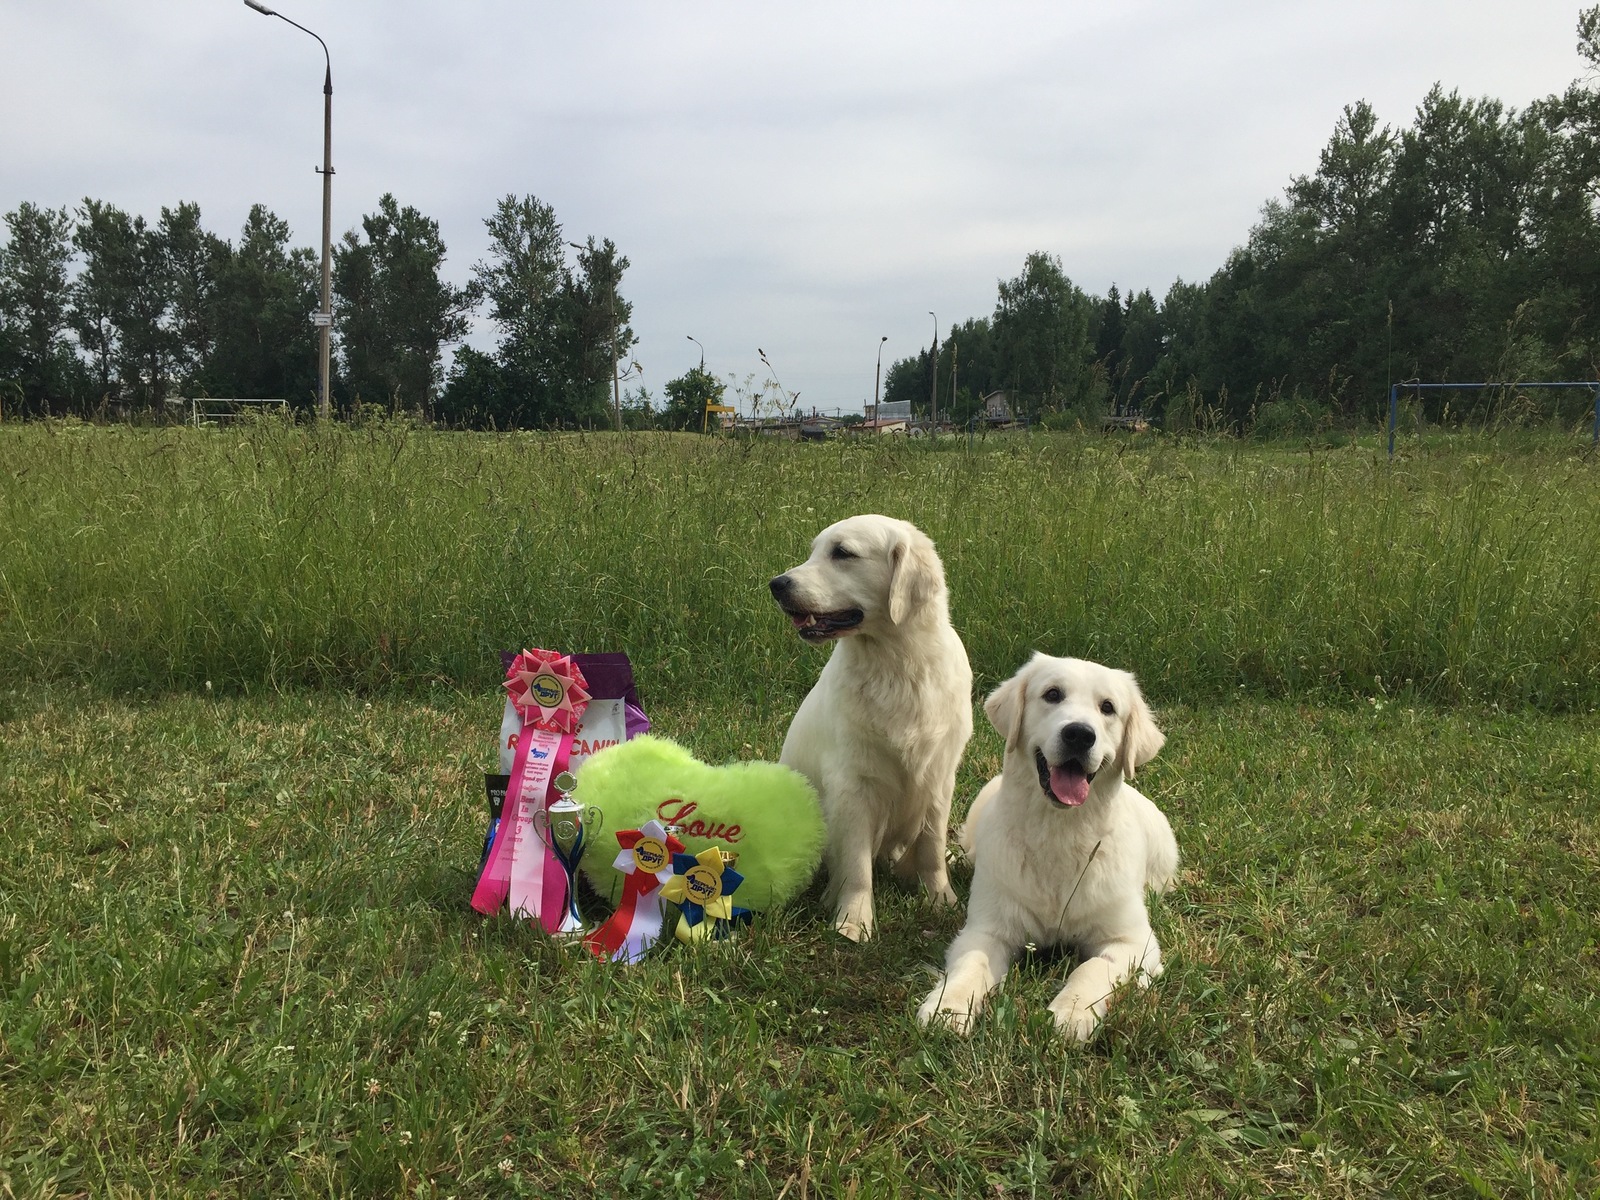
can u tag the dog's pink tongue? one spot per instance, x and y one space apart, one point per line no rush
1070 786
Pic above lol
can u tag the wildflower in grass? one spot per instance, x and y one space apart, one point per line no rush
434 1016
405 1137
507 1166
374 1089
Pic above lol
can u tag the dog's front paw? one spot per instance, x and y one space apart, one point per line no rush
853 917
934 1014
942 896
1074 1019
856 929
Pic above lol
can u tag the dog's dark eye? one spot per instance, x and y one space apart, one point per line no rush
1052 696
840 551
1108 708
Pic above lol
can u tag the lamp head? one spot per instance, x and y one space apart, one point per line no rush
261 8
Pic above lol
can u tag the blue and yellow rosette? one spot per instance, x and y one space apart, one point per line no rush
702 886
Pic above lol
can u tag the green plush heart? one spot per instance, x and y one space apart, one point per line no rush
766 813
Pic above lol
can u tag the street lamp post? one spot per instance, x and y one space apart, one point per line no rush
876 375
933 400
705 417
324 318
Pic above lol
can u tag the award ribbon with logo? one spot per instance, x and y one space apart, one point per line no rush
646 866
702 886
549 694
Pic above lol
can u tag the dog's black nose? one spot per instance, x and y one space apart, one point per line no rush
781 587
1076 739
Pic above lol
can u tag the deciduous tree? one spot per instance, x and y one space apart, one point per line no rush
34 298
397 312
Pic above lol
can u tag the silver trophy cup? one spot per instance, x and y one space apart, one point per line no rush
567 827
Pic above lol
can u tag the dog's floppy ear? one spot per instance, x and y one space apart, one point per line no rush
915 574
1141 740
1005 706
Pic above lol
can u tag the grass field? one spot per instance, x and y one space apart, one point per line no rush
235 952
274 557
237 959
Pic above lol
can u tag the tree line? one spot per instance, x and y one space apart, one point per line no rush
105 313
1465 247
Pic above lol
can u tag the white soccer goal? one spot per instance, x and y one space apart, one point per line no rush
218 410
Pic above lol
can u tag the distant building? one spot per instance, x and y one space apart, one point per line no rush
816 427
883 425
997 408
1135 421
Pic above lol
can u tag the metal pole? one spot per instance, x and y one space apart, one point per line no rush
955 353
876 375
933 399
325 314
705 416
1394 412
325 350
1595 441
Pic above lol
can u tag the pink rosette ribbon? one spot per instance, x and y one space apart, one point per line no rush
550 694
547 690
646 865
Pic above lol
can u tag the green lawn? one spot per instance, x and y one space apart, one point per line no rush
248 689
236 958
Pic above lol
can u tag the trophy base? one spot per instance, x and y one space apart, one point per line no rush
571 927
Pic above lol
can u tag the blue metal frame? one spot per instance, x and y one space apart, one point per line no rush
1394 398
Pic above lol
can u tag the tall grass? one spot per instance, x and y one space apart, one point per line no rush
269 555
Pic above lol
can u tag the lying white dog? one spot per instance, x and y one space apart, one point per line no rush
881 733
1063 849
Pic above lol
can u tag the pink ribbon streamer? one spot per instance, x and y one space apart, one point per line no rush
521 869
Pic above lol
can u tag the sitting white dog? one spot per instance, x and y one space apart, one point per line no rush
1063 849
881 733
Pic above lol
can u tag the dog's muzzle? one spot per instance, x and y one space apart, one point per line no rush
813 626
1067 782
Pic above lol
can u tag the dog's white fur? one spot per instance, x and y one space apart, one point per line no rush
1049 874
882 732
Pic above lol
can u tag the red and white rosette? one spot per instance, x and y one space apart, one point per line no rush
646 865
550 694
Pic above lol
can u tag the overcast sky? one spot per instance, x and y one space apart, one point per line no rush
803 179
